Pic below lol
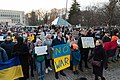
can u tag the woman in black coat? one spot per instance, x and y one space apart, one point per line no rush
100 56
21 50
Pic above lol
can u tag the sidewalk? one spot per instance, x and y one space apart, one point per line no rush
113 73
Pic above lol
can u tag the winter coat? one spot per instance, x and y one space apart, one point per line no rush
21 50
48 43
99 55
106 39
56 41
76 57
3 55
8 47
83 50
39 58
110 45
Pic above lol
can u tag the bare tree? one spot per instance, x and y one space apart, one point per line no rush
110 8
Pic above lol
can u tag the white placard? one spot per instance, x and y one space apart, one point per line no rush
118 42
41 50
87 42
1 38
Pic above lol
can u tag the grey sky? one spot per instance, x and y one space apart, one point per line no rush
28 5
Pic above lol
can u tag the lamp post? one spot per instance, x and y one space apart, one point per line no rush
66 9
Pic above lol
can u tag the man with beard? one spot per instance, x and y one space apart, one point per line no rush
58 41
7 45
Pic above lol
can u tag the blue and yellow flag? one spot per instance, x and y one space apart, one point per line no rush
11 69
61 56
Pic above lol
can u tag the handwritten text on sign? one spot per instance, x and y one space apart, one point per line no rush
87 42
61 63
61 56
41 50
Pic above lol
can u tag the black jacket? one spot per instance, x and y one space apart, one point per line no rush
99 55
83 50
8 47
56 41
21 50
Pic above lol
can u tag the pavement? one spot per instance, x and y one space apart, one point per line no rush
112 73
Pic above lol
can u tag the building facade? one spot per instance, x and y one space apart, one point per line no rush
10 17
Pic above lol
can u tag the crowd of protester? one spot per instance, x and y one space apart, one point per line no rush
22 42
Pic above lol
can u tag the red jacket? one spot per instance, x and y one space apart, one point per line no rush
110 45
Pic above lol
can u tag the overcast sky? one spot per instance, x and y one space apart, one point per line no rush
28 5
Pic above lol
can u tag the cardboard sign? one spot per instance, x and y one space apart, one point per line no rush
87 42
61 55
41 50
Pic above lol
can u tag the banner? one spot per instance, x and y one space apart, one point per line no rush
41 50
11 69
61 55
87 42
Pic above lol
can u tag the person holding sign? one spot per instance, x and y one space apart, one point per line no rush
84 51
39 61
58 41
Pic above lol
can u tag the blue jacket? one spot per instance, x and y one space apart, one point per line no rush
76 57
3 55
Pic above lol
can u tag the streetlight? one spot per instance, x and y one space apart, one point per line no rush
66 9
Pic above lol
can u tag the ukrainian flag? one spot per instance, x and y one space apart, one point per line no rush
11 69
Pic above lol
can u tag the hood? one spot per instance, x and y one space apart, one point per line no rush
19 40
37 42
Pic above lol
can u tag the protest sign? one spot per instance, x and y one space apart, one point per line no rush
61 55
61 63
87 42
118 42
1 38
41 50
75 34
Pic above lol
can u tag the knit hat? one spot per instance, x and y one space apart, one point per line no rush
75 46
38 40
